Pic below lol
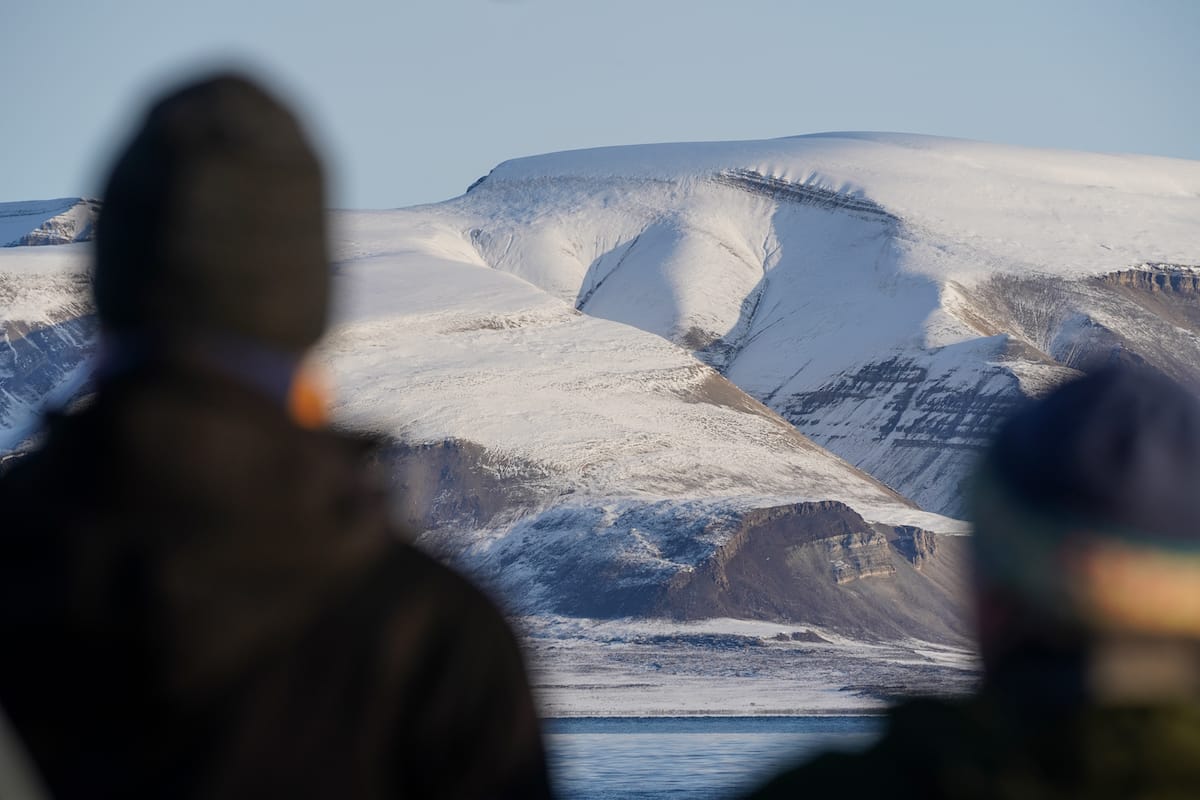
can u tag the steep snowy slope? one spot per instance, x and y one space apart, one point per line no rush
46 326
890 295
47 332
41 222
603 469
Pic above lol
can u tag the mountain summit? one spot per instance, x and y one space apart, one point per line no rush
890 295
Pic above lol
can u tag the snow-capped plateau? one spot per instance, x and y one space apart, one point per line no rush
892 296
640 390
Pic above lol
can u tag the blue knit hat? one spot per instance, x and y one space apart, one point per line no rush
1087 506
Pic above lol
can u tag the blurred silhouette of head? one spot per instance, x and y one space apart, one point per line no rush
1087 540
213 224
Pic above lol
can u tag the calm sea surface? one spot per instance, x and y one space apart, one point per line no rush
597 758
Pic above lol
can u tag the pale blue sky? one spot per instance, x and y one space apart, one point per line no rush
411 100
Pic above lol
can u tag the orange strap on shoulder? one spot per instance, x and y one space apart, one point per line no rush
308 397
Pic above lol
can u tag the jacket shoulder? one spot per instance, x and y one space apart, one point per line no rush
898 765
456 674
867 774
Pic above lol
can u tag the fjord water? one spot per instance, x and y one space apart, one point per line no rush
597 758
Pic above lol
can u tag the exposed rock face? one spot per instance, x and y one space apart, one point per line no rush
1147 316
919 421
858 555
1164 278
1169 292
915 544
919 424
823 564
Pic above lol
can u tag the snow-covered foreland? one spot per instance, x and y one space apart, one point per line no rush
728 667
700 381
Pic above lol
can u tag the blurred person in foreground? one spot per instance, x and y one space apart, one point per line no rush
202 595
1087 567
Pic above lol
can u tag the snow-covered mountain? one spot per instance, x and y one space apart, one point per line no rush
709 381
890 295
604 470
62 221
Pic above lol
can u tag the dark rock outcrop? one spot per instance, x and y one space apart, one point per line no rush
1163 278
749 180
915 544
821 563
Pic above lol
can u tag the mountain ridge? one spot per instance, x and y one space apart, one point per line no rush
65 220
579 224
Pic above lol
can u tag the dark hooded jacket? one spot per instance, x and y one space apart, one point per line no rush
991 748
202 599
1087 568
